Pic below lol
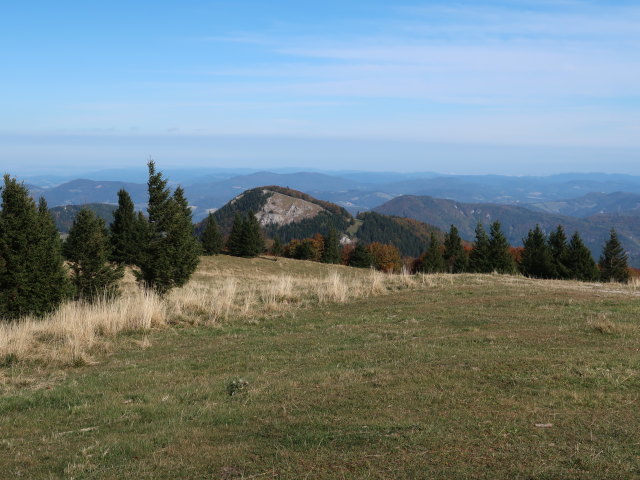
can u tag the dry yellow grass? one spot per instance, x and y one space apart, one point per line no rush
221 289
224 288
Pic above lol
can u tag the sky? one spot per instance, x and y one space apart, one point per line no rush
513 87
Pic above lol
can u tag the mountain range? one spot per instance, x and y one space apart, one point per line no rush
589 203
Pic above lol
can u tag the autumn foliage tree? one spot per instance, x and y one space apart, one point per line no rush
385 257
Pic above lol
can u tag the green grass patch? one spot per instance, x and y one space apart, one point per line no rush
473 380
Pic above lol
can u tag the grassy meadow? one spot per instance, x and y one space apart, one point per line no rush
291 369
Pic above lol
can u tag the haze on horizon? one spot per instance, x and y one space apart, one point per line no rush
509 87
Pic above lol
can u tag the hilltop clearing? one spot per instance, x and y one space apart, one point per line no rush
436 376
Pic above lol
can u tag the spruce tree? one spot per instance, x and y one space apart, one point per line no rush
360 257
211 238
52 280
558 249
537 261
32 278
126 237
276 247
171 253
433 261
87 249
253 242
499 256
182 241
579 261
236 240
479 261
613 261
455 258
331 251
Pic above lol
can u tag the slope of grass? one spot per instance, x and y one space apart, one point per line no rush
458 377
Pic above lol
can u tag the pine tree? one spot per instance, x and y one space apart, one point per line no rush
613 261
579 261
32 277
360 257
479 261
455 258
433 261
236 240
126 238
253 242
537 261
52 280
558 249
211 238
276 247
183 241
87 249
499 256
331 251
171 253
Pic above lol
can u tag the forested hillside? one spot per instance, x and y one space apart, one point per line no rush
516 221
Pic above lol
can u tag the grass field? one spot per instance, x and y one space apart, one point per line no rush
445 377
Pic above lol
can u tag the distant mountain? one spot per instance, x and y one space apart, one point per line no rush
290 214
64 215
593 203
79 192
516 221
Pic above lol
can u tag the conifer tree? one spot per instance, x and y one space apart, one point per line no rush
253 242
558 249
52 280
29 255
87 249
276 247
211 238
171 253
579 261
537 261
235 240
331 251
433 261
183 241
479 261
360 257
613 261
499 256
455 258
127 236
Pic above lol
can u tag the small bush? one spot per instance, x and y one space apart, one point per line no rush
237 387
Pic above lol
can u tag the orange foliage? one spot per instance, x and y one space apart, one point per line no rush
385 257
516 253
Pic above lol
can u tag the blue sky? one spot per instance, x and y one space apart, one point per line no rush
469 87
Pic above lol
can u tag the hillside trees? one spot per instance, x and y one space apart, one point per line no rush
32 275
613 261
171 253
87 249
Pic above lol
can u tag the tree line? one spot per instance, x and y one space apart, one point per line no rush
163 249
34 279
